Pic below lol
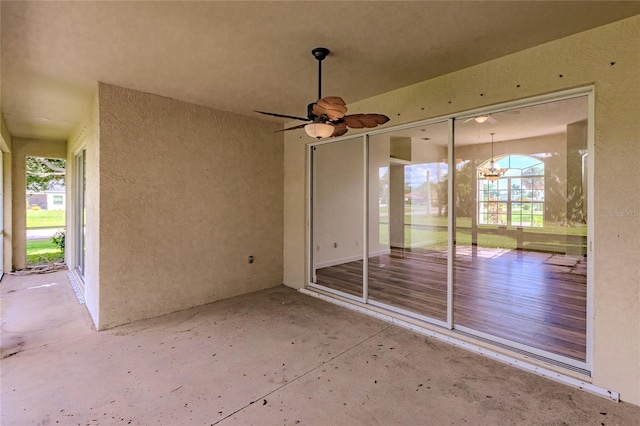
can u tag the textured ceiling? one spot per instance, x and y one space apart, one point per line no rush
244 56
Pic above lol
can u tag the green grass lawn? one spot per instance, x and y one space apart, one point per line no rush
45 218
436 239
42 251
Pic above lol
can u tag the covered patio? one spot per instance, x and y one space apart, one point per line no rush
271 357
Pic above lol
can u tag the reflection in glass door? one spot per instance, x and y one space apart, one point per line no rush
338 216
408 237
521 228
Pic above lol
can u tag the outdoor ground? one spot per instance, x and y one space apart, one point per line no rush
41 226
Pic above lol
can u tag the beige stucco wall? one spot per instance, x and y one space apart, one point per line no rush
23 148
187 193
580 60
7 193
86 136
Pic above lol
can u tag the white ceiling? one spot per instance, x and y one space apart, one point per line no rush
244 56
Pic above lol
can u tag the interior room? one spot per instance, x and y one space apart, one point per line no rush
530 237
476 190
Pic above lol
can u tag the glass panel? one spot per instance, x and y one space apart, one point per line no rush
408 220
337 212
80 213
521 235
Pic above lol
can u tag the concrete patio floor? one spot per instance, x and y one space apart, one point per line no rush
275 357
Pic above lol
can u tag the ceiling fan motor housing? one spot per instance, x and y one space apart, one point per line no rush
320 53
314 117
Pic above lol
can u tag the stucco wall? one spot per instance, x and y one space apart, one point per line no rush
7 194
580 60
23 148
86 136
187 193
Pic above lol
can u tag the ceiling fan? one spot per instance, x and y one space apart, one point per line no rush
484 118
481 119
327 116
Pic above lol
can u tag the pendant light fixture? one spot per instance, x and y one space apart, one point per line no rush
494 171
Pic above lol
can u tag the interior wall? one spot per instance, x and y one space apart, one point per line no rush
555 165
86 136
7 191
338 198
187 194
23 148
607 58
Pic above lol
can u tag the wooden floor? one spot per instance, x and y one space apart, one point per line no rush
537 299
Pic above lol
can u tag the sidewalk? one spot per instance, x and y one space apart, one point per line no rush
41 233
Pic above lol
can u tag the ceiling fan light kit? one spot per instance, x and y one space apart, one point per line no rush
319 130
327 115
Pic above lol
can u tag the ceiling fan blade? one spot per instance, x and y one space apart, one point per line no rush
299 126
331 106
282 115
492 120
359 121
341 129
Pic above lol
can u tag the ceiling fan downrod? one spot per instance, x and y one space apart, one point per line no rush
320 53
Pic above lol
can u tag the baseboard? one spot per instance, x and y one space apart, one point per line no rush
342 260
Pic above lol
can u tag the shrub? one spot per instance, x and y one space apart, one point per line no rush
58 240
36 208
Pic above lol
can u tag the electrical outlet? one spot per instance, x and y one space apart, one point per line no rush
250 259
335 245
357 243
318 247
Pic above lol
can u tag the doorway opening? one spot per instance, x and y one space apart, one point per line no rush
45 210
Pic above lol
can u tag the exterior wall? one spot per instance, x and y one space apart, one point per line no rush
86 136
187 193
46 201
51 204
7 192
23 148
580 60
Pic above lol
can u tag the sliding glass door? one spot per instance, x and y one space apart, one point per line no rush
80 213
521 228
408 215
338 216
475 223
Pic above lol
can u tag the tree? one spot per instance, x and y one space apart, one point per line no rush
464 197
44 173
383 188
